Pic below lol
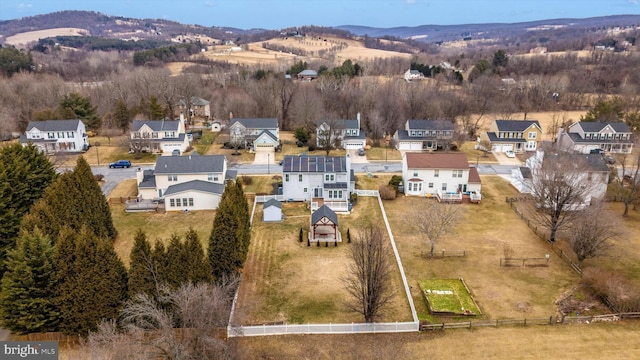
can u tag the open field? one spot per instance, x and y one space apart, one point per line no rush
585 341
21 39
501 292
285 280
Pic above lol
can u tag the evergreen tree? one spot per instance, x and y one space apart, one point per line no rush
159 256
122 115
156 110
74 200
241 209
76 106
177 267
93 286
143 273
223 245
25 174
199 270
27 297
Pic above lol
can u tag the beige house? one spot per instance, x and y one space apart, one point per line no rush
194 182
513 135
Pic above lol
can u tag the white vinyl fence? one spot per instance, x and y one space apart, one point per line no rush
353 328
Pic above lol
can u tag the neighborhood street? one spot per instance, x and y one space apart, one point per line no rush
113 177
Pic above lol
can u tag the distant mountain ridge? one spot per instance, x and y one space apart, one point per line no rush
102 25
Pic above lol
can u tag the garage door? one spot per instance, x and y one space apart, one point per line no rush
264 148
496 147
506 147
415 146
353 145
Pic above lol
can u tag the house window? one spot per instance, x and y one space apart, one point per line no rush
457 174
444 186
436 173
299 177
413 133
172 177
178 202
184 201
169 134
136 135
501 135
329 177
286 177
304 190
533 134
430 185
190 201
212 177
60 135
172 203
70 134
415 173
51 135
154 135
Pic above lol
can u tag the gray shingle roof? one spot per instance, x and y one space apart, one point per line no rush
257 123
595 126
341 123
195 185
273 202
338 185
494 138
420 124
308 72
314 164
148 180
269 133
54 125
156 125
190 164
197 101
577 139
515 125
594 162
324 211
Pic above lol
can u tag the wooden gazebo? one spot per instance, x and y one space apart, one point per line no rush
324 226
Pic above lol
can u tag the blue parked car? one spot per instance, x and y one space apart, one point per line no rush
120 164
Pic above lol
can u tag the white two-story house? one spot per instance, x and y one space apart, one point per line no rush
53 136
194 182
343 133
420 135
259 135
167 137
445 176
318 179
584 136
589 172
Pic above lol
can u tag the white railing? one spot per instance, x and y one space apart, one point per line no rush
475 196
353 328
333 205
373 193
265 198
449 196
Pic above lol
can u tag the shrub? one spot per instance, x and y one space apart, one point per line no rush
312 148
300 235
348 236
395 181
387 192
247 180
299 144
620 292
98 177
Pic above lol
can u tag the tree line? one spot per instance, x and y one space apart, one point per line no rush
60 271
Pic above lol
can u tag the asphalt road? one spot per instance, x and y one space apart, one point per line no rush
113 177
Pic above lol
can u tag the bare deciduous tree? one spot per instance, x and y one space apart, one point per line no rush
368 280
625 186
434 219
561 184
591 231
328 136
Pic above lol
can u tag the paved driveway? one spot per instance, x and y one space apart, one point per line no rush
263 158
504 160
357 159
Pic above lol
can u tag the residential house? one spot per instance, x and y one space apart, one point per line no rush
324 226
513 135
413 75
424 135
445 176
318 180
307 75
344 133
167 137
272 211
194 182
53 136
588 170
259 135
585 136
198 107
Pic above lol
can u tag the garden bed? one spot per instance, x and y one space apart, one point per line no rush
448 297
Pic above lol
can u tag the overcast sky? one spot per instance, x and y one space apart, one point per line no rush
278 14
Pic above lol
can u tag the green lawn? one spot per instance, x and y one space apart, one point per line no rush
382 153
476 155
448 295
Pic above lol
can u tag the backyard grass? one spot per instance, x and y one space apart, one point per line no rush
285 280
364 182
126 188
261 184
474 155
382 153
500 292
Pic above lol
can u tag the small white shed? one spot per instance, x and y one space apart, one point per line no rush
272 211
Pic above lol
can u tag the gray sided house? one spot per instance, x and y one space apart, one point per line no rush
52 136
582 137
257 134
319 180
341 133
194 182
424 134
272 211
